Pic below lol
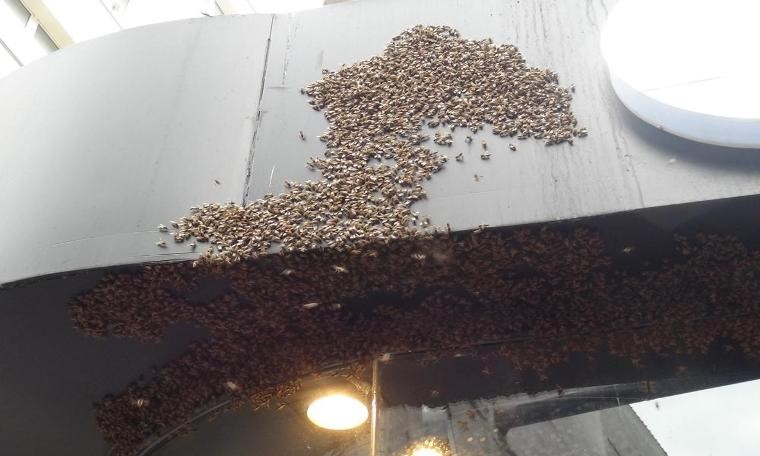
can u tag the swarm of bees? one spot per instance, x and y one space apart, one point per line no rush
345 286
556 290
356 278
443 139
376 109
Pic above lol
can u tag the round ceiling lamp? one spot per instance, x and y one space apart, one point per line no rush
337 412
688 67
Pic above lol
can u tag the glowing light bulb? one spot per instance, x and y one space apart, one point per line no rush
430 446
337 412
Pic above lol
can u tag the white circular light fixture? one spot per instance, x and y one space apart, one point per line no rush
689 66
337 412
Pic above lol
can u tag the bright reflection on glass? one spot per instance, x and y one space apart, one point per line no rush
337 412
426 452
429 446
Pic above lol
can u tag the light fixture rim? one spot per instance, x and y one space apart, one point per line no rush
693 122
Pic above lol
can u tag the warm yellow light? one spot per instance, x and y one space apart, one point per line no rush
426 452
429 446
337 412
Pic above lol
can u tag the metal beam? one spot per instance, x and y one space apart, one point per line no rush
48 22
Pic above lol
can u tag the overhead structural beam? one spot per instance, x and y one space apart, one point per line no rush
48 22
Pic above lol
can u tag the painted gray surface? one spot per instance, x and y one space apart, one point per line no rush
103 141
533 184
623 165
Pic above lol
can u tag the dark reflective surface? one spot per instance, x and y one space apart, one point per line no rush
477 405
51 374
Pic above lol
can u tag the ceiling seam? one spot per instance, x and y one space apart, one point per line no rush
257 122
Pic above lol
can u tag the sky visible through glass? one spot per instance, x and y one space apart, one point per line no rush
722 421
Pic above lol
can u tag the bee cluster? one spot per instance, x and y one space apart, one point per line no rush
555 291
360 274
374 166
